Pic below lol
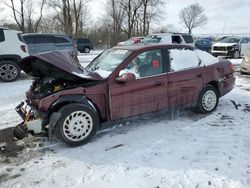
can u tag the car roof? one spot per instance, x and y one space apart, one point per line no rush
151 46
44 34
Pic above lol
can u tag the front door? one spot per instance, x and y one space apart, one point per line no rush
147 93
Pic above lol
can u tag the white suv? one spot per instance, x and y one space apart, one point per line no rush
12 50
173 38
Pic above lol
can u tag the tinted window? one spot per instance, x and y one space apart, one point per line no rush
83 41
61 40
188 38
1 35
44 39
182 59
145 64
20 37
28 39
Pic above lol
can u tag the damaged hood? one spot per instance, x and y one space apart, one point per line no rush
57 64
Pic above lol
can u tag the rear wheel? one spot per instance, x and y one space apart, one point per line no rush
77 124
9 71
87 50
208 100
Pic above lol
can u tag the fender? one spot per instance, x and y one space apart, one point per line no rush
71 99
15 58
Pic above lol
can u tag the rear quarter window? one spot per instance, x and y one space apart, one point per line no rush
188 38
2 38
19 35
28 39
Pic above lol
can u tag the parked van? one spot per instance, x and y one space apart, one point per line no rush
38 43
170 38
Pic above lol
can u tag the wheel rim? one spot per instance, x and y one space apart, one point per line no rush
8 72
77 126
87 50
209 100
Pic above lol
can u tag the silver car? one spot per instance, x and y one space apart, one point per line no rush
38 43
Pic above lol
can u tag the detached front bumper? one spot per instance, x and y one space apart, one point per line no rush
31 121
34 122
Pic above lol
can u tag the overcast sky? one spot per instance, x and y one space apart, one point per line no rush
224 16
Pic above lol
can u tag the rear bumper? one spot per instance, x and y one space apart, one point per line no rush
226 85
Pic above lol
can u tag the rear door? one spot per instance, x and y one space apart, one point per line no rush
185 77
147 93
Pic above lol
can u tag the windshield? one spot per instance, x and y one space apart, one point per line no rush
230 40
108 61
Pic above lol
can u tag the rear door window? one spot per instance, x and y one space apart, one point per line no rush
2 38
182 58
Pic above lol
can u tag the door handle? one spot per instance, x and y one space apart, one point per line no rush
159 83
199 75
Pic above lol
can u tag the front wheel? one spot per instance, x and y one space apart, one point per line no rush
9 71
208 100
77 125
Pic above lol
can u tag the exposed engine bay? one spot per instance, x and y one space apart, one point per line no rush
52 72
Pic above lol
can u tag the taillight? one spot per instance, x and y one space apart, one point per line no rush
230 66
23 48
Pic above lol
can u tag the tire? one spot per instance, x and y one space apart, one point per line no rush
236 54
87 50
9 71
77 124
208 100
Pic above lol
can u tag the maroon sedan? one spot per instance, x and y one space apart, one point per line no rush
71 102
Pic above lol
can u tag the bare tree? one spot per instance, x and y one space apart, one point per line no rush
23 14
113 19
131 8
193 16
70 14
150 11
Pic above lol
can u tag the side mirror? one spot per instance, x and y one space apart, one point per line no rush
125 78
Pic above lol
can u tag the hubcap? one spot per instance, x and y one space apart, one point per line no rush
209 100
77 126
8 72
87 50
